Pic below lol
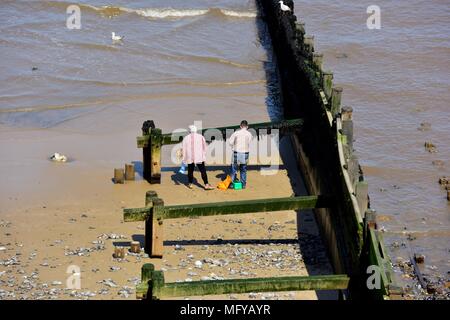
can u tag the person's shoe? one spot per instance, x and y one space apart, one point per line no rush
189 185
208 187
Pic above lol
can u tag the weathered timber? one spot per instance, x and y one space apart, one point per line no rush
362 192
285 127
155 155
325 151
129 171
233 207
309 44
156 236
147 127
150 196
247 206
119 176
336 94
327 83
318 60
153 283
135 247
347 125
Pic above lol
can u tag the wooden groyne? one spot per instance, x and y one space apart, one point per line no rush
321 132
325 154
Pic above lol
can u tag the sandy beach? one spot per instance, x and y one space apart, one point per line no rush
64 214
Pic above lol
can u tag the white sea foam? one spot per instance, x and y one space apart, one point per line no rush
162 13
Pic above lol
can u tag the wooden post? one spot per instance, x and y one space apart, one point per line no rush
119 252
155 162
129 171
362 192
318 60
336 94
157 228
370 221
118 176
149 197
147 127
300 26
347 125
142 289
135 247
309 44
327 83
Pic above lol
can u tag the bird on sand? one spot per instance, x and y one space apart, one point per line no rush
115 37
283 6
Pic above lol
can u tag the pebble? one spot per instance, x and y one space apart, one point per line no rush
114 269
108 282
198 264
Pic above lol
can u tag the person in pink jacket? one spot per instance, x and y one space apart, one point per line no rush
194 153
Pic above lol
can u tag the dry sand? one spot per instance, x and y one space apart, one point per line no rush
51 212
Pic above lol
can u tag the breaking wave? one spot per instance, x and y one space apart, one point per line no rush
159 13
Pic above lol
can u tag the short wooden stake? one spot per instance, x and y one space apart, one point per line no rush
119 252
336 94
119 176
129 171
135 247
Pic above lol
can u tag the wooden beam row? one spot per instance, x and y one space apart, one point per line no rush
155 212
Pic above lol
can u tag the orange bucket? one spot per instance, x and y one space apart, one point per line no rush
224 184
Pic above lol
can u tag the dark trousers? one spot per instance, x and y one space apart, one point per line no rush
201 167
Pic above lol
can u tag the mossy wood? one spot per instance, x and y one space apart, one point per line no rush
153 285
284 126
232 207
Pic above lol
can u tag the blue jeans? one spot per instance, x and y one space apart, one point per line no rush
240 160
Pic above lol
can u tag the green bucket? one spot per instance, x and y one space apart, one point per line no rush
237 185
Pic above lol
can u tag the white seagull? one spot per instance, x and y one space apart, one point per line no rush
283 6
115 37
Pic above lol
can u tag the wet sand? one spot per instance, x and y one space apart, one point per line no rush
54 215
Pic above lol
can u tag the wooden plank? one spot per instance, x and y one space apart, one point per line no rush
233 207
299 283
157 228
136 214
247 206
284 126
